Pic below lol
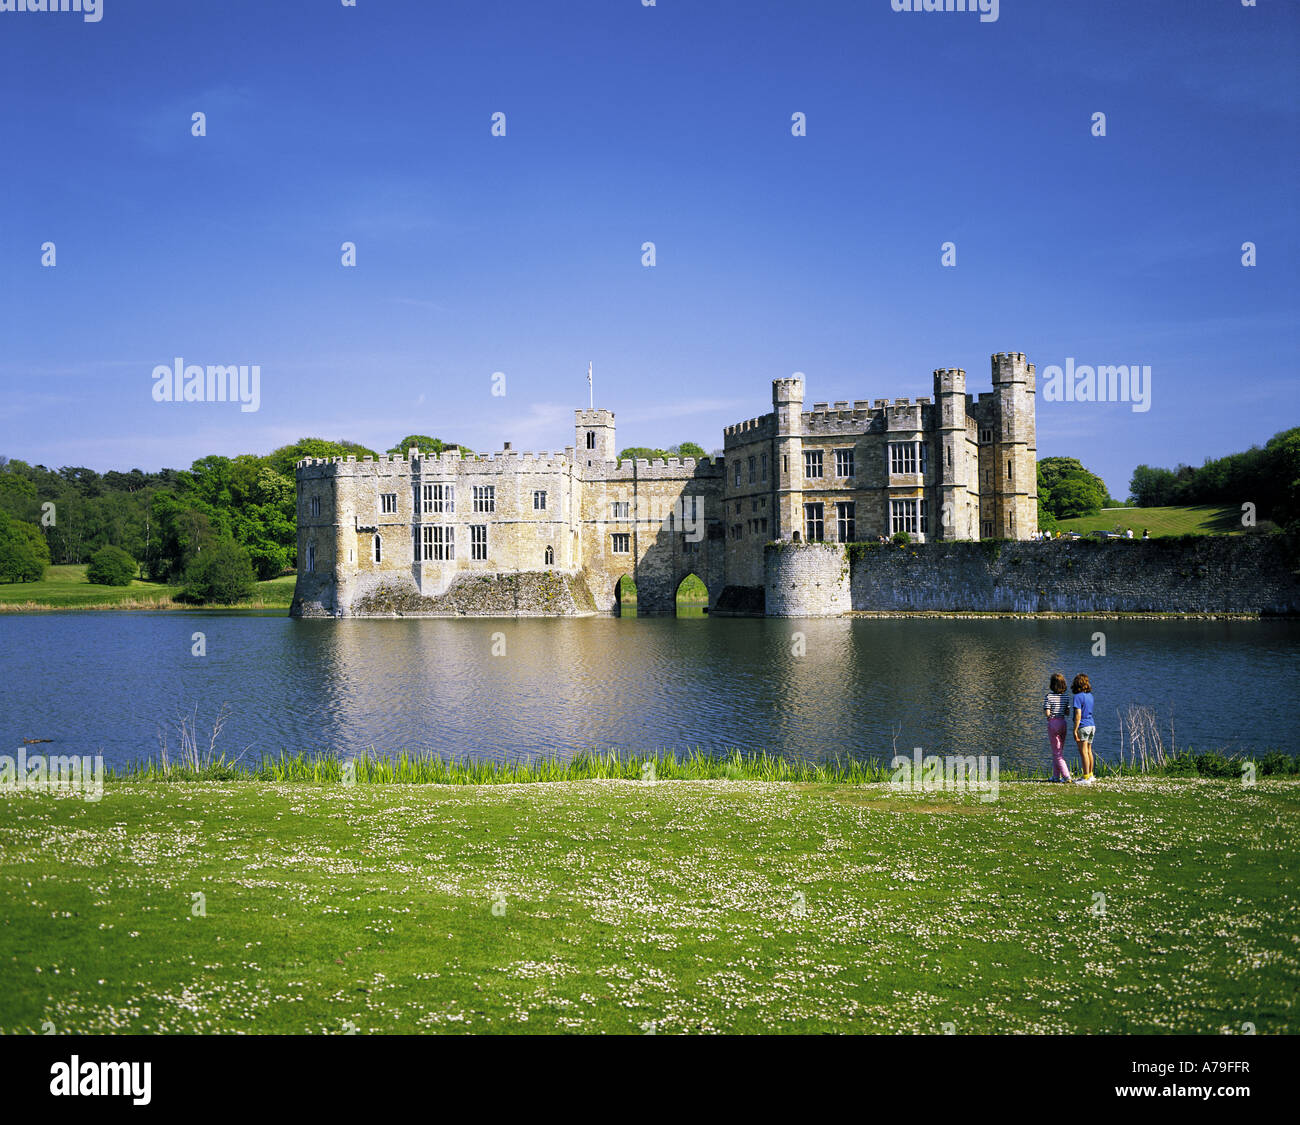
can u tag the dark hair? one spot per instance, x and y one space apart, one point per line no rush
1058 682
1080 684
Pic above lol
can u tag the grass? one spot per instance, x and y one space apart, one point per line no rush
195 763
1206 519
65 587
627 907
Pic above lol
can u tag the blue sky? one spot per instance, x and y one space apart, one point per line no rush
625 124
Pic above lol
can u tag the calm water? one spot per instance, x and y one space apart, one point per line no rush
103 682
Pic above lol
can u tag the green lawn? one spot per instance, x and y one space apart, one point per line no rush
65 587
1207 519
622 906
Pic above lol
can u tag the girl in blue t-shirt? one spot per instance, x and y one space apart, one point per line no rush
1085 727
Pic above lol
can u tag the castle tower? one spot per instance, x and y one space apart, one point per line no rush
787 403
594 437
954 518
1015 477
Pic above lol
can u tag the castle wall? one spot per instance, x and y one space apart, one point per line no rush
1196 575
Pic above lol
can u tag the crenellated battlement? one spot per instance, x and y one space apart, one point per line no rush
760 427
672 468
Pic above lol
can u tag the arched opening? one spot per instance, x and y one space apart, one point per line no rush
625 597
692 598
550 556
379 550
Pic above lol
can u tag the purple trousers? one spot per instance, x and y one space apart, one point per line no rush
1056 737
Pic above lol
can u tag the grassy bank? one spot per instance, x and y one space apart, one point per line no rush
621 906
1208 519
65 587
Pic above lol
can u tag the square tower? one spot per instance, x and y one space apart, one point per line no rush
594 437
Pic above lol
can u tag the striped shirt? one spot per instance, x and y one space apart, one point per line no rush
1055 705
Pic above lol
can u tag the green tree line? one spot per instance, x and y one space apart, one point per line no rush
1268 477
238 510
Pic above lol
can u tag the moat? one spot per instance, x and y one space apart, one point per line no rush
103 682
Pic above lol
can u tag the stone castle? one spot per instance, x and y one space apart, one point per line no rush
553 533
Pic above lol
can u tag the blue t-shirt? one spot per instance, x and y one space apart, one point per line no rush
1083 704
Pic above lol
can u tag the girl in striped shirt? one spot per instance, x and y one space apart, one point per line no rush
1056 706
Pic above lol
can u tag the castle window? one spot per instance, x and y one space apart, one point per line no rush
925 517
311 558
737 474
439 543
478 541
621 509
814 522
485 498
621 543
844 462
315 505
379 551
812 463
906 458
444 497
753 505
988 529
950 456
752 470
762 466
439 497
1008 470
986 435
539 500
845 521
785 462
388 503
904 515
549 558
591 441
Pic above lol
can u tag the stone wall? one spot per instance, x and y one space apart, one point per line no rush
527 594
806 580
1202 574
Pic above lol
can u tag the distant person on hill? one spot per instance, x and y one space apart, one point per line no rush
1085 727
1055 707
1146 534
1128 533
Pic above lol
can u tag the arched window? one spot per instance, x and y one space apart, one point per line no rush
311 558
550 556
378 550
591 439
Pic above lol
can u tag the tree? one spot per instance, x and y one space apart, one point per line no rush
110 566
221 574
1066 489
24 554
428 446
1076 496
645 452
285 459
1152 488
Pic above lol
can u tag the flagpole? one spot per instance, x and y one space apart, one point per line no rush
591 394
